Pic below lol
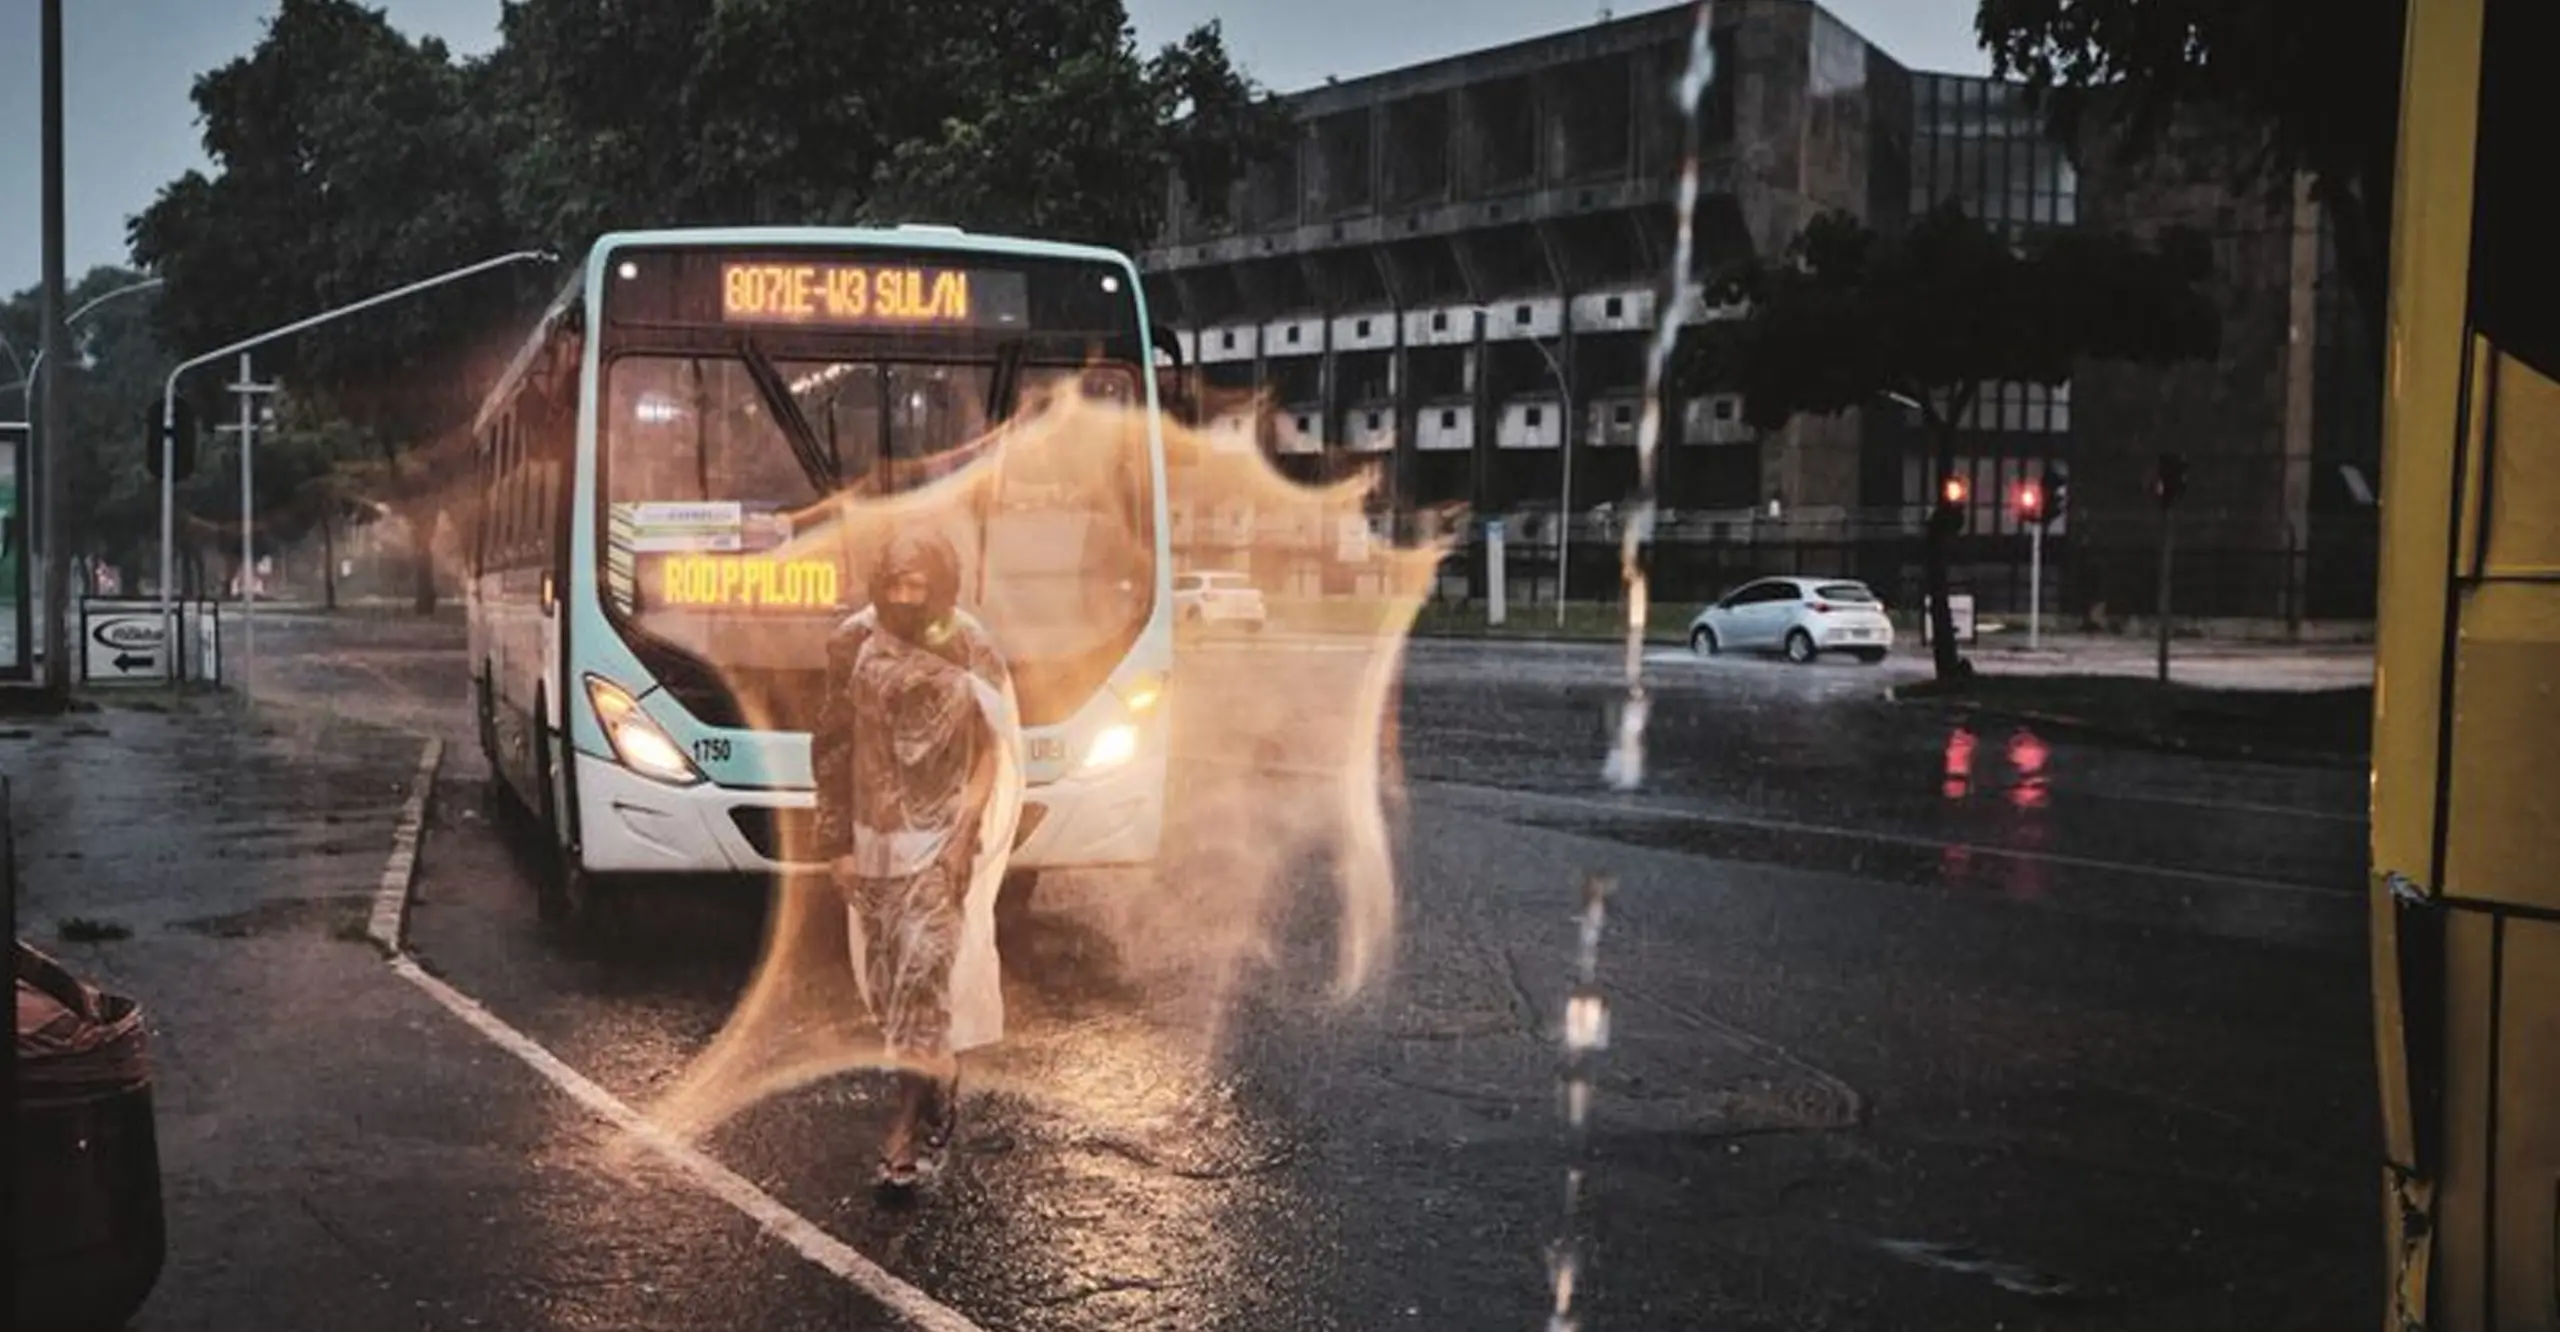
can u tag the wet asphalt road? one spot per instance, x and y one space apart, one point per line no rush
1914 1025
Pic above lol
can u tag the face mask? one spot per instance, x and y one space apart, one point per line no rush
910 622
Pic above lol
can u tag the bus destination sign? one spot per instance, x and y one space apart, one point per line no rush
868 295
709 582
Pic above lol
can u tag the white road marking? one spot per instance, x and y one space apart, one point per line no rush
390 910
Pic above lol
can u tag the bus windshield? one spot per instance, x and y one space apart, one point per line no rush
700 476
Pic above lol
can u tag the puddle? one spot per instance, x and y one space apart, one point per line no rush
342 915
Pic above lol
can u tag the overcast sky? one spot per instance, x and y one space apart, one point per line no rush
129 126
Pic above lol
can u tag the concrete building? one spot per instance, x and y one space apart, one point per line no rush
1453 279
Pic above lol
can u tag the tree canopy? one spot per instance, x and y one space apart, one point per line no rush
2322 76
1849 317
119 364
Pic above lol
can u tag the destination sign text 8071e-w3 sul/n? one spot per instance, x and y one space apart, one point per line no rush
849 294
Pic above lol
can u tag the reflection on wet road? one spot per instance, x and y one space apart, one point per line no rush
1880 987
1814 752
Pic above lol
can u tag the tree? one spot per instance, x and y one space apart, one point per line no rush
1849 318
350 160
2321 76
997 116
120 363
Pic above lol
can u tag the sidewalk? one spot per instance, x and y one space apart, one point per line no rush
2205 663
337 1151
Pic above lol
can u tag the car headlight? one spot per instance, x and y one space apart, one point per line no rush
1112 746
636 740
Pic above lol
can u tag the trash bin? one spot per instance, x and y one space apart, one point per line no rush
89 1234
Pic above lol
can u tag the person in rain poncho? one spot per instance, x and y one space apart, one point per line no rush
919 785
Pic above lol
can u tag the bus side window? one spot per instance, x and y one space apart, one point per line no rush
510 490
478 515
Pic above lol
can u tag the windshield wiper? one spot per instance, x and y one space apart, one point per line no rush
786 413
1002 386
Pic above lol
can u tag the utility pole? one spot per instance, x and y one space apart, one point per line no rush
49 415
2166 486
1564 491
2032 511
249 391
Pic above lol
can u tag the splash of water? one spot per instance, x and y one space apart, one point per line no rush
1282 755
1585 1029
1585 1035
1625 768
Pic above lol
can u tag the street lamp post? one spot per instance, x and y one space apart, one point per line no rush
48 423
1564 489
39 531
169 422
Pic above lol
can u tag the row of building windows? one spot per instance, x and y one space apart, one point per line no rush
1978 143
1614 307
2030 408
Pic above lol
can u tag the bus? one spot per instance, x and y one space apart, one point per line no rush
652 585
2465 897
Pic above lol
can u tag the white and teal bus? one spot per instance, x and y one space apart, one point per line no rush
651 591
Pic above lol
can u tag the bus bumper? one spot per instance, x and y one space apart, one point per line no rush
1113 819
629 824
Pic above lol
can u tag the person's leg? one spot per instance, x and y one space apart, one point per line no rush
917 928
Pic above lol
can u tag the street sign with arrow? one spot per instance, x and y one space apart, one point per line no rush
122 645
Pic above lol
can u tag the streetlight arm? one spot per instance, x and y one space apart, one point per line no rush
169 393
126 290
169 421
28 371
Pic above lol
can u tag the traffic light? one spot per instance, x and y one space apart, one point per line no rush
2171 480
2031 500
186 440
1950 511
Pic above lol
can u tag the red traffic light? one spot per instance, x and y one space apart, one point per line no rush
2030 500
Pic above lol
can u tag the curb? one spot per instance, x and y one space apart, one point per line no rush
391 896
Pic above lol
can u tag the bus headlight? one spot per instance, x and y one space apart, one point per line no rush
1142 693
1113 746
636 740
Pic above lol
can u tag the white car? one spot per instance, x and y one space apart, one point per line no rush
1801 617
1204 598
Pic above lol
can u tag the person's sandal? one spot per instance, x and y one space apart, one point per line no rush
895 1177
941 1125
897 1168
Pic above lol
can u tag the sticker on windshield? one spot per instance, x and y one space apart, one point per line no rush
660 527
